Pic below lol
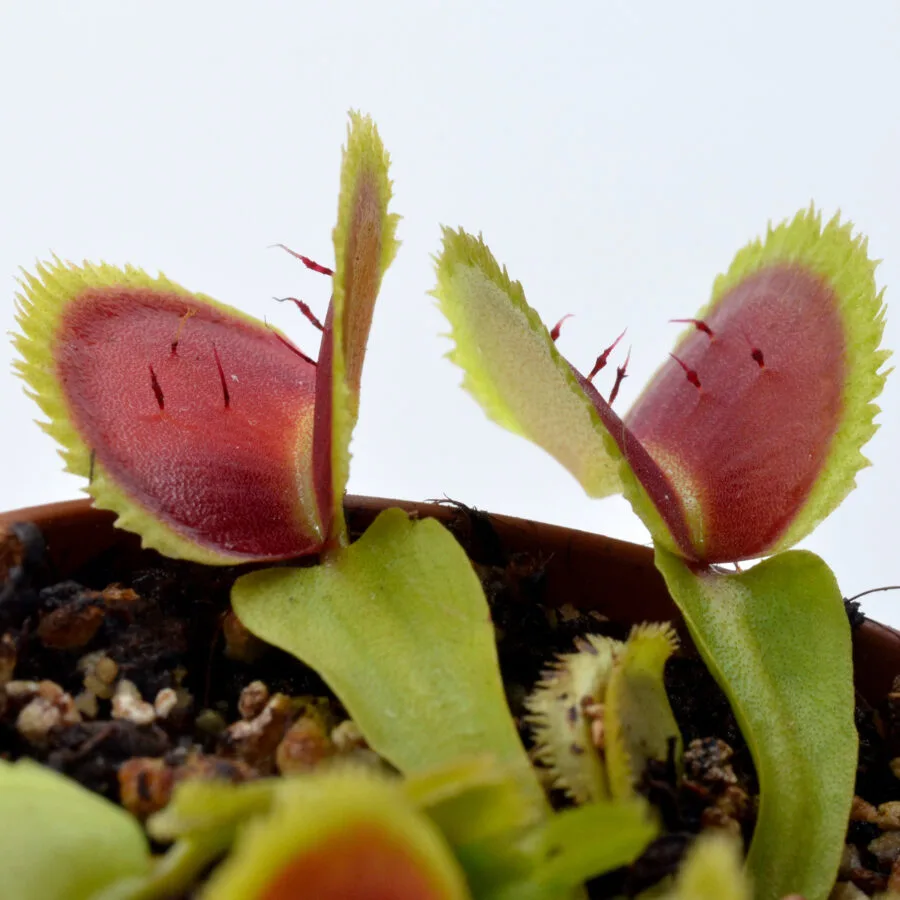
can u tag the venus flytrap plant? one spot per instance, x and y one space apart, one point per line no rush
601 714
741 443
459 831
216 440
509 853
340 836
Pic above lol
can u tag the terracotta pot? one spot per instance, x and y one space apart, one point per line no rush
589 571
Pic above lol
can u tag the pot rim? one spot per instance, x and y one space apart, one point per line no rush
590 571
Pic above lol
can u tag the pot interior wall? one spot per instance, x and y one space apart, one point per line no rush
590 571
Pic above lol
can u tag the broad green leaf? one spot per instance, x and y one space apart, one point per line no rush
59 840
777 640
512 367
398 626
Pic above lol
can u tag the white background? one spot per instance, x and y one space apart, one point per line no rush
615 155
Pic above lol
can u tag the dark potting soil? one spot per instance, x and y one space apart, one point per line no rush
131 678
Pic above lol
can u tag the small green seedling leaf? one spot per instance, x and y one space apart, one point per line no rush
600 715
483 813
578 844
639 724
59 840
341 835
203 806
512 367
552 860
777 640
174 873
712 870
563 711
399 627
472 800
506 848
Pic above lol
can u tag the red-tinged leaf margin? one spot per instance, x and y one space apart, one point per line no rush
841 257
54 343
364 247
511 365
512 368
827 360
